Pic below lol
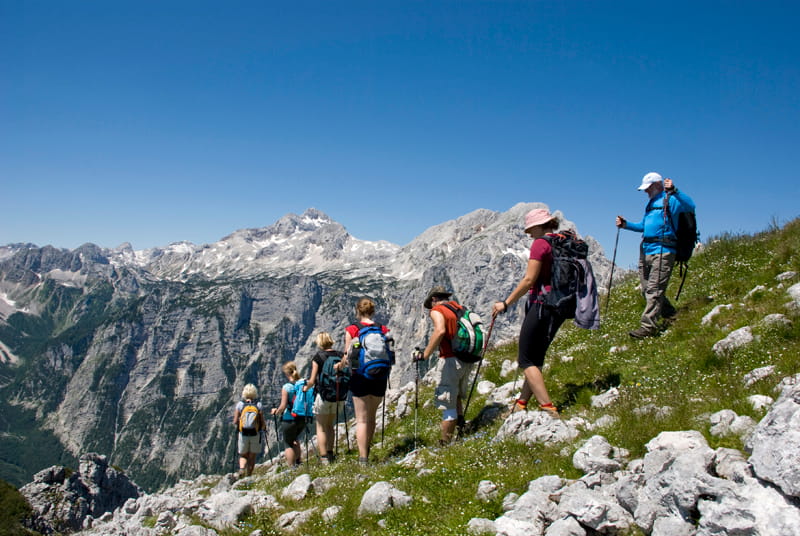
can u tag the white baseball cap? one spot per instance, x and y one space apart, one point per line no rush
650 178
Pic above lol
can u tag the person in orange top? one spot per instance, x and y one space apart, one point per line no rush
454 374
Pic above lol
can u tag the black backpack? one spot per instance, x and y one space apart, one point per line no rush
686 234
567 272
687 237
329 377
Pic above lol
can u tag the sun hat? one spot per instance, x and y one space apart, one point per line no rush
650 178
436 292
537 216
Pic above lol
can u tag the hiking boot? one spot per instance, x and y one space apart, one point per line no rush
550 410
642 333
518 405
363 461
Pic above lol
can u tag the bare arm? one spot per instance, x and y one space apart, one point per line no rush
312 381
437 335
344 363
284 403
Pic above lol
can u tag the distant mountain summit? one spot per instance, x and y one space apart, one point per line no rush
309 243
140 355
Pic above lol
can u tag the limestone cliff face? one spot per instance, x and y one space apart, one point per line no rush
141 355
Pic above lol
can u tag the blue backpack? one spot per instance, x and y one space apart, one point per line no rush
374 352
302 402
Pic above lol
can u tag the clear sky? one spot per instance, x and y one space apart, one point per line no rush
155 122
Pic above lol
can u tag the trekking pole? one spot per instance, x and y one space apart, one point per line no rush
336 427
684 270
611 277
478 371
305 429
383 408
277 442
416 398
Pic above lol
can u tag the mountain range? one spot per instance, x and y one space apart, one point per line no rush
141 355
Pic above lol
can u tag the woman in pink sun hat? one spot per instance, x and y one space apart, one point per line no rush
541 323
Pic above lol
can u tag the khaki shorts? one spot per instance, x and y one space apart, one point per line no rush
322 407
249 444
454 382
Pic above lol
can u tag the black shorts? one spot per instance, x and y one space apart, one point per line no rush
291 430
363 386
538 330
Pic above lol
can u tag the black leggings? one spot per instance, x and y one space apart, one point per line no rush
538 330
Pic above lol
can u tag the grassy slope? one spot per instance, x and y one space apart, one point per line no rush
678 370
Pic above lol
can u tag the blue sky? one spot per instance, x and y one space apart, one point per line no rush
156 122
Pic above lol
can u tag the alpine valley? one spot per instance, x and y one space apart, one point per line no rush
141 355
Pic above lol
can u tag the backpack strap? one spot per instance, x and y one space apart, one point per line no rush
449 306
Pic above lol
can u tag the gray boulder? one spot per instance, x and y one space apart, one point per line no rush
223 510
595 455
672 526
735 339
676 475
794 293
606 399
382 497
726 422
714 312
758 374
595 509
754 508
566 526
760 402
776 320
481 525
298 489
731 465
775 443
533 510
290 522
487 491
536 427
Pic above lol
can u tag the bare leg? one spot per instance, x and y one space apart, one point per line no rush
534 385
325 434
251 462
366 408
292 454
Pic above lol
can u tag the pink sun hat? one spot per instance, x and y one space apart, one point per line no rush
537 216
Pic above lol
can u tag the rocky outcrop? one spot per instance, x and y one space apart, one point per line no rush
775 443
63 500
680 487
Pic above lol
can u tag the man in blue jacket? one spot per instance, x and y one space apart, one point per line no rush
657 252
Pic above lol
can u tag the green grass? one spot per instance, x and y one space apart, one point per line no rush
677 371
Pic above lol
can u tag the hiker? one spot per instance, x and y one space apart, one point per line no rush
454 373
541 323
326 411
291 427
368 388
248 417
657 251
